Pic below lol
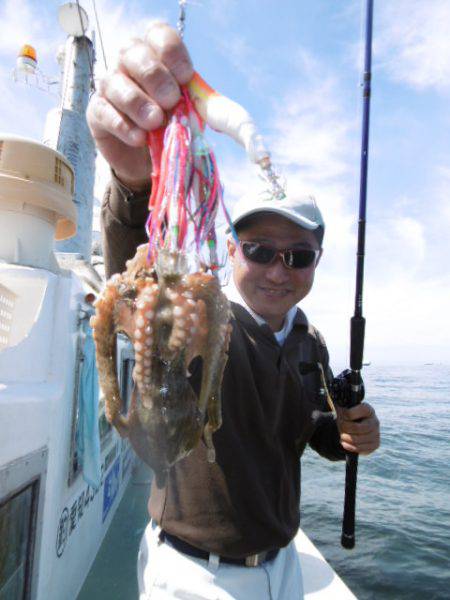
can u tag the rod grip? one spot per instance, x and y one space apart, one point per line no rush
357 330
348 522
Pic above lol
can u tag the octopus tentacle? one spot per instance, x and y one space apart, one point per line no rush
214 394
143 335
214 332
180 336
105 339
170 317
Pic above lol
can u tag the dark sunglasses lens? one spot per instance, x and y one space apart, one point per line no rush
257 253
299 259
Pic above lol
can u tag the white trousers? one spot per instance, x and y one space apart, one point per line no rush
164 573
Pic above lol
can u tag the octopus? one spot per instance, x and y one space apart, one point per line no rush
171 316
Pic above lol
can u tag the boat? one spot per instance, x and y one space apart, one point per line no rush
55 506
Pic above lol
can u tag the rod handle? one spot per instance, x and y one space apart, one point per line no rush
348 522
357 332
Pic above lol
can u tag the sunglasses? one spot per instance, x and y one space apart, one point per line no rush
266 255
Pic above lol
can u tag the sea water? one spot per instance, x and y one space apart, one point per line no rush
403 494
403 500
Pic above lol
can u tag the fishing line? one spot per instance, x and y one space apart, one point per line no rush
181 17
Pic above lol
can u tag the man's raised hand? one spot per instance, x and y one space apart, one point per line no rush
132 99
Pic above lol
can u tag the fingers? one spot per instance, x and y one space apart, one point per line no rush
145 83
159 65
360 411
363 449
134 98
360 428
142 65
170 50
361 443
105 119
362 437
130 100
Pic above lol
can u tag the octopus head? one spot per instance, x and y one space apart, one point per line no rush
171 265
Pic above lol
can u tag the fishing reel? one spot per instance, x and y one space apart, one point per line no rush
341 389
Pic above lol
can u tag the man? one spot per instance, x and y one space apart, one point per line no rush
224 530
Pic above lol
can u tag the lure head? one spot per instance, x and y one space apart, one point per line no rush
171 265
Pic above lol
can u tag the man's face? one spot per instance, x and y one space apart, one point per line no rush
271 290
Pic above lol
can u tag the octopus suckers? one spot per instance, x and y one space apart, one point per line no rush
171 295
161 318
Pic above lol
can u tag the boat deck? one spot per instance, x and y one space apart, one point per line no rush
113 573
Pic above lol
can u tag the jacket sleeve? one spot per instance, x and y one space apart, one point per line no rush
326 439
123 217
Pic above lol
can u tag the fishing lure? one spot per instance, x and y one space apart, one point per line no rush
185 181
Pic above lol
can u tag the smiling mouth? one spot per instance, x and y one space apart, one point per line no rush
274 292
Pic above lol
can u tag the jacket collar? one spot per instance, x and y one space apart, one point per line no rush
241 314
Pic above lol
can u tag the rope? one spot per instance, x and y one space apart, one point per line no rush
99 34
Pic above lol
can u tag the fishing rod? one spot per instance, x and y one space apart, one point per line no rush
357 322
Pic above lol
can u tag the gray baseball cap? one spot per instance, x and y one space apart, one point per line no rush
302 210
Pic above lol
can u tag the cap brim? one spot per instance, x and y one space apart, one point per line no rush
300 221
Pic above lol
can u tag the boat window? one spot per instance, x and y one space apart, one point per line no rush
7 301
126 382
17 527
75 466
125 357
104 427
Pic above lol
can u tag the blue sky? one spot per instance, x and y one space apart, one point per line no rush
296 66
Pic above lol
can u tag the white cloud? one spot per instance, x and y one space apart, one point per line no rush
244 58
19 25
442 205
414 44
222 12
